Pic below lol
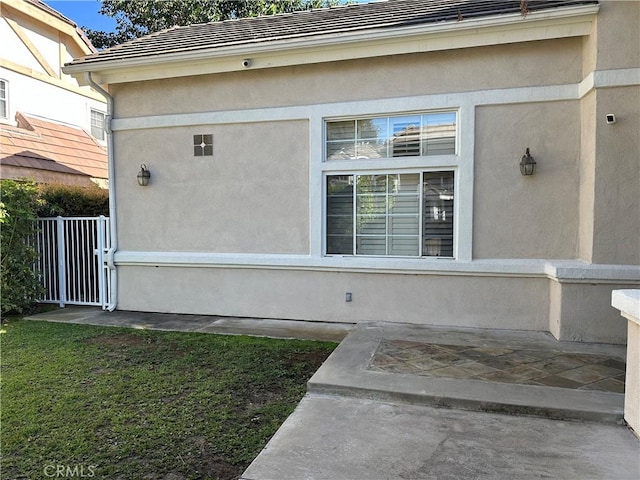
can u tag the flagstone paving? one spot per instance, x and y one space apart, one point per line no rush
503 365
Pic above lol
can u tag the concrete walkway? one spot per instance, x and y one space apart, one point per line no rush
398 401
262 327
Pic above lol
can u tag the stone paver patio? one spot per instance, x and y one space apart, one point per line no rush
504 365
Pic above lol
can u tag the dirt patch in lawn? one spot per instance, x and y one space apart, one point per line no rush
119 340
214 466
316 358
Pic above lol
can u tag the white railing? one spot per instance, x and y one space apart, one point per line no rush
71 260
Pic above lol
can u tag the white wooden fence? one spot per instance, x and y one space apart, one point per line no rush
71 260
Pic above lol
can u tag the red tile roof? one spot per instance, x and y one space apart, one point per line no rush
48 145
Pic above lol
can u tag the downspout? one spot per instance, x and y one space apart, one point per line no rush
113 290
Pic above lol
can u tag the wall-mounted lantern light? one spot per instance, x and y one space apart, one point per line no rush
143 176
527 164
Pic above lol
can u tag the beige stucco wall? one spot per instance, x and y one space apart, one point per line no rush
551 130
615 32
609 204
251 196
526 217
254 197
587 176
505 66
616 230
313 295
618 34
582 312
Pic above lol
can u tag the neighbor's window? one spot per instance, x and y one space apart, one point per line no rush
4 99
387 137
97 124
397 214
202 145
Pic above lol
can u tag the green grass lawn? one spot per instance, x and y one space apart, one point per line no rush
138 404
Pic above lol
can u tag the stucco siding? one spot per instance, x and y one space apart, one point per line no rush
519 65
587 176
315 295
251 196
618 34
579 312
616 208
243 232
526 217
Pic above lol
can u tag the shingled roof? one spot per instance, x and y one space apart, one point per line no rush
321 22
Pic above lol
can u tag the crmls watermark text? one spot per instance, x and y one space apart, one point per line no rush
70 471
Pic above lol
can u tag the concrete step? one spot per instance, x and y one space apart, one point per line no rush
348 372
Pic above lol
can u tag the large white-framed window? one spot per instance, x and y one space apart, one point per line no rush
408 214
390 185
4 98
97 124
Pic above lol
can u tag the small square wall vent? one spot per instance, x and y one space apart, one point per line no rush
202 145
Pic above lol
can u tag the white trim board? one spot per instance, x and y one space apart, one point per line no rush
572 271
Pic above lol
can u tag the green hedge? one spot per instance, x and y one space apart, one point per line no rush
19 287
69 201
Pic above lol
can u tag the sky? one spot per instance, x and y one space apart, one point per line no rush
84 13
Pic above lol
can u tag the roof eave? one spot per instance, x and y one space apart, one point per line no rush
500 29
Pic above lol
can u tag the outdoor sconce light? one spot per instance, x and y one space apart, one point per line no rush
527 164
143 176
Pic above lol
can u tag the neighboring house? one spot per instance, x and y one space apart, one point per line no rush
41 104
361 163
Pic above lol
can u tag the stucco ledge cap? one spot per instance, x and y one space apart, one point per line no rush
628 302
572 270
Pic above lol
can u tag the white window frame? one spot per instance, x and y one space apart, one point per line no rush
461 164
5 99
104 120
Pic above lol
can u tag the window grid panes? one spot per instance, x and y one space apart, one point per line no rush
97 124
407 214
387 214
389 137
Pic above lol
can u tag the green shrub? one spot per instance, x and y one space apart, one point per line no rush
19 287
72 201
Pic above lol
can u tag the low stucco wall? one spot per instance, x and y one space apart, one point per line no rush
570 311
318 295
582 312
